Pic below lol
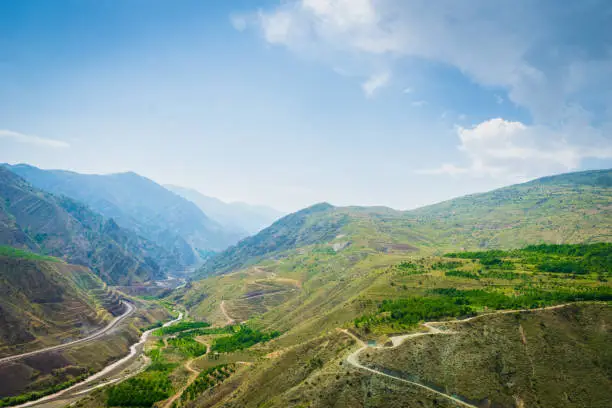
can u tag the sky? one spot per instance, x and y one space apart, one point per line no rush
400 103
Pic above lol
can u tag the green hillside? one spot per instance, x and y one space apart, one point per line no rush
378 272
568 208
60 227
313 225
309 295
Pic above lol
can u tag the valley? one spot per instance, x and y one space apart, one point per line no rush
499 299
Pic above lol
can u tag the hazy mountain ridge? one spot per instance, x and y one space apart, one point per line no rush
62 227
244 218
312 225
567 208
139 204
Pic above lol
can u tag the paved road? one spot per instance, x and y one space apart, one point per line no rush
353 358
94 336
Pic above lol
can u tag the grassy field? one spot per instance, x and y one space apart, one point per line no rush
8 251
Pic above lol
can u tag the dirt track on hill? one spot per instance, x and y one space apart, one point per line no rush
353 358
87 339
227 317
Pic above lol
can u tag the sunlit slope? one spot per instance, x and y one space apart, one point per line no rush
336 263
555 358
44 301
568 208
497 359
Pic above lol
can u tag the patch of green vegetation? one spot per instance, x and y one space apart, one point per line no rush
411 311
180 327
145 389
207 379
410 268
206 332
447 265
452 302
506 275
187 346
562 266
243 338
31 396
23 254
577 258
461 274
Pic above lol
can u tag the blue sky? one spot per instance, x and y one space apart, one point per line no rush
367 102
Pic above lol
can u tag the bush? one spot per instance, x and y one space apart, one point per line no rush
179 327
145 389
462 274
244 338
563 267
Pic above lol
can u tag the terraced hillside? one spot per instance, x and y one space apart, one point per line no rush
501 358
44 302
59 226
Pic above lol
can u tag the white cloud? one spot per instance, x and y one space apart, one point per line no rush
32 140
418 104
513 151
407 90
512 44
375 82
520 47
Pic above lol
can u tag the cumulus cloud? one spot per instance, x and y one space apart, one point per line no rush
32 140
375 82
513 151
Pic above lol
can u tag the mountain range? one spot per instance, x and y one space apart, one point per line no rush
244 218
301 300
141 205
59 226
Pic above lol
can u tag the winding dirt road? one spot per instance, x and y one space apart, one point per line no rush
353 358
227 317
190 380
94 336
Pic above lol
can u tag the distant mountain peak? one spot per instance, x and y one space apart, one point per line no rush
243 218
